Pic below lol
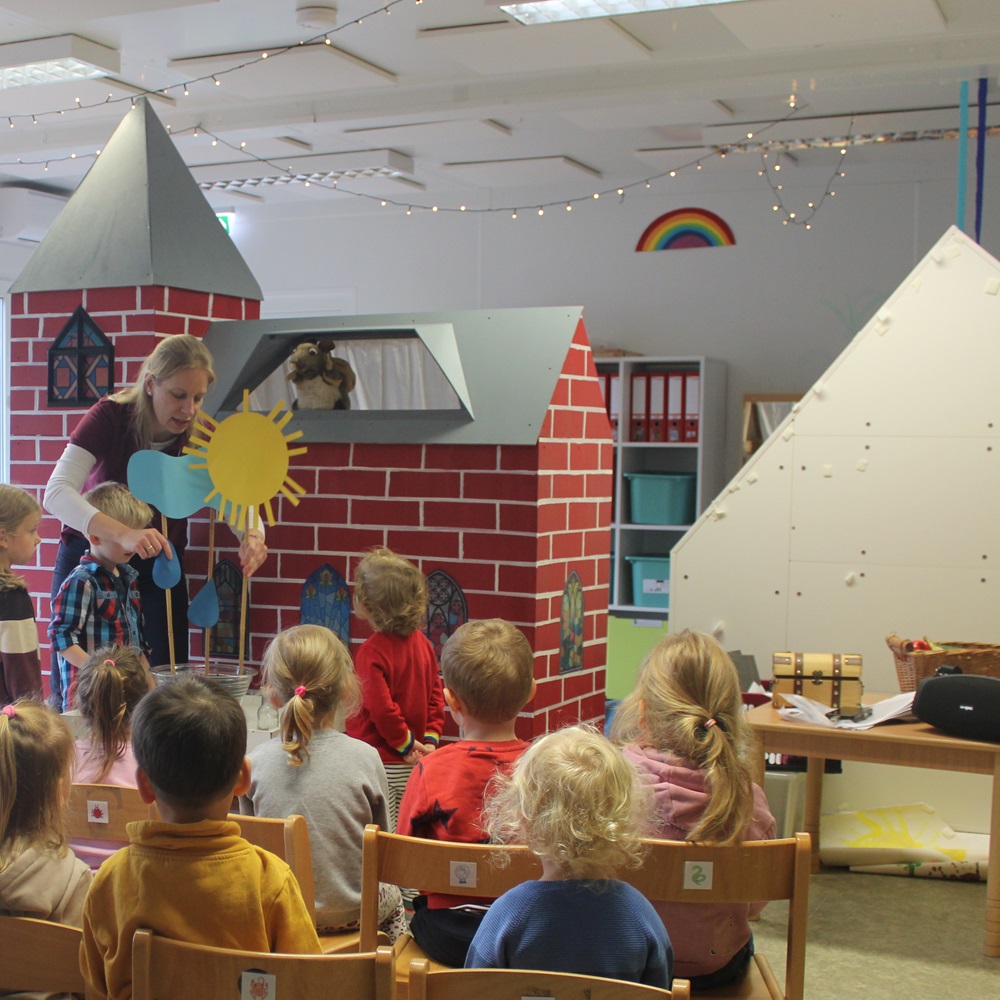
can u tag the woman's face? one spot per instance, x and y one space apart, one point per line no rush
176 400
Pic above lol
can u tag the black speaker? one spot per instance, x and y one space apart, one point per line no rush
961 704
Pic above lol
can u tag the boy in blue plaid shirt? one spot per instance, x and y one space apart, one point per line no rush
98 604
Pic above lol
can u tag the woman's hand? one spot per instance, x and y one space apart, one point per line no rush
146 543
253 552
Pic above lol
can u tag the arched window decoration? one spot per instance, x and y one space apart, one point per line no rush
326 601
229 585
571 626
81 363
446 609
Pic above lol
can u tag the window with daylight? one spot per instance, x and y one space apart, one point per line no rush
81 363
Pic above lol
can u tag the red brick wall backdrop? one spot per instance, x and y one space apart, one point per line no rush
134 319
508 523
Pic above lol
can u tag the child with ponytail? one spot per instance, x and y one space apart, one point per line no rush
683 727
39 876
336 782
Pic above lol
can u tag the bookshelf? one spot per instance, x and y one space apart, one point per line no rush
665 473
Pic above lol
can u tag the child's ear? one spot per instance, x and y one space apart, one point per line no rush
242 785
453 703
94 540
145 787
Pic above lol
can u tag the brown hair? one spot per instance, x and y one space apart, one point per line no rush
390 592
15 505
489 665
36 757
109 687
176 353
118 502
310 659
687 701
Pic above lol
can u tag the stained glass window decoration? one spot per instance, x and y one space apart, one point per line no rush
81 363
571 625
447 609
326 601
229 586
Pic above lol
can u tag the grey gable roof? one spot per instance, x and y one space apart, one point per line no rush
138 218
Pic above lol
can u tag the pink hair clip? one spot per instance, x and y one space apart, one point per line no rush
300 691
9 711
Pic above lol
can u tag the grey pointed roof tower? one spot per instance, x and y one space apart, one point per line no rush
138 218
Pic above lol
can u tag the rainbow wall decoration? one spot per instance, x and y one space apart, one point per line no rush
686 229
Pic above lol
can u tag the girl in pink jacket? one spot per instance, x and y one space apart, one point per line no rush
683 727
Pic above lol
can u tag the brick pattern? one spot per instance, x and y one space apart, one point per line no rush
508 523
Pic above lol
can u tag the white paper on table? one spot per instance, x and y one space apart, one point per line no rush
804 709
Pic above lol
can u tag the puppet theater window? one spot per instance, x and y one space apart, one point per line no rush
447 609
81 363
226 634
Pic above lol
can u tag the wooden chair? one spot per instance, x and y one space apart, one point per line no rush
504 984
163 969
289 840
432 866
39 956
101 812
755 871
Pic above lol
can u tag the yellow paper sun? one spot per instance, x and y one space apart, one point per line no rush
247 459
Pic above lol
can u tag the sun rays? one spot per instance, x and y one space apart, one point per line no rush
247 458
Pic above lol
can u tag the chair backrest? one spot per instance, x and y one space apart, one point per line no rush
289 839
101 812
163 969
436 866
752 872
503 984
36 955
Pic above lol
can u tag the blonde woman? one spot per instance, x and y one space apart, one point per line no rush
576 802
683 728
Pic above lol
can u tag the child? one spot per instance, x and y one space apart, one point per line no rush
575 801
108 689
337 783
20 667
39 876
191 876
402 710
683 727
488 671
98 603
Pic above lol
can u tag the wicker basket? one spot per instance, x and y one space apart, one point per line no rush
913 665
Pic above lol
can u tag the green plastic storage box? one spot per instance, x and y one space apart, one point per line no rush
650 581
661 497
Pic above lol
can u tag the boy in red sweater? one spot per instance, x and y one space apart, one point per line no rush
488 675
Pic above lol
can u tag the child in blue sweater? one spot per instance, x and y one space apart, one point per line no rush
574 800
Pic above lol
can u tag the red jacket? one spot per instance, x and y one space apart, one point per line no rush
401 693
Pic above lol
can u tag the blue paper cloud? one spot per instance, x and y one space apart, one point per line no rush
170 484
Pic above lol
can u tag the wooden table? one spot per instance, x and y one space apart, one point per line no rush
909 744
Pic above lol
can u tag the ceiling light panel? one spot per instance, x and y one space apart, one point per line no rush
549 11
58 59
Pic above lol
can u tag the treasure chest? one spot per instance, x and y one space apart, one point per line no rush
831 678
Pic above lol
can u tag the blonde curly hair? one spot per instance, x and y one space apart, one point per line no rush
576 801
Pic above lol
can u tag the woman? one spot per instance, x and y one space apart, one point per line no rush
156 412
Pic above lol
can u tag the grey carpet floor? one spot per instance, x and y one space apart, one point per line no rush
880 936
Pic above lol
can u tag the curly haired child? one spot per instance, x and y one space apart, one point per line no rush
336 782
39 876
683 727
402 700
20 666
575 801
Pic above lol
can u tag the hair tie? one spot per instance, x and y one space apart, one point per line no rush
9 711
300 691
109 663
709 723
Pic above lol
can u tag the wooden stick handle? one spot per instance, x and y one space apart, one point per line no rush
243 622
170 608
209 581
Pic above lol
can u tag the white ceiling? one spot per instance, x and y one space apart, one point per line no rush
451 102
